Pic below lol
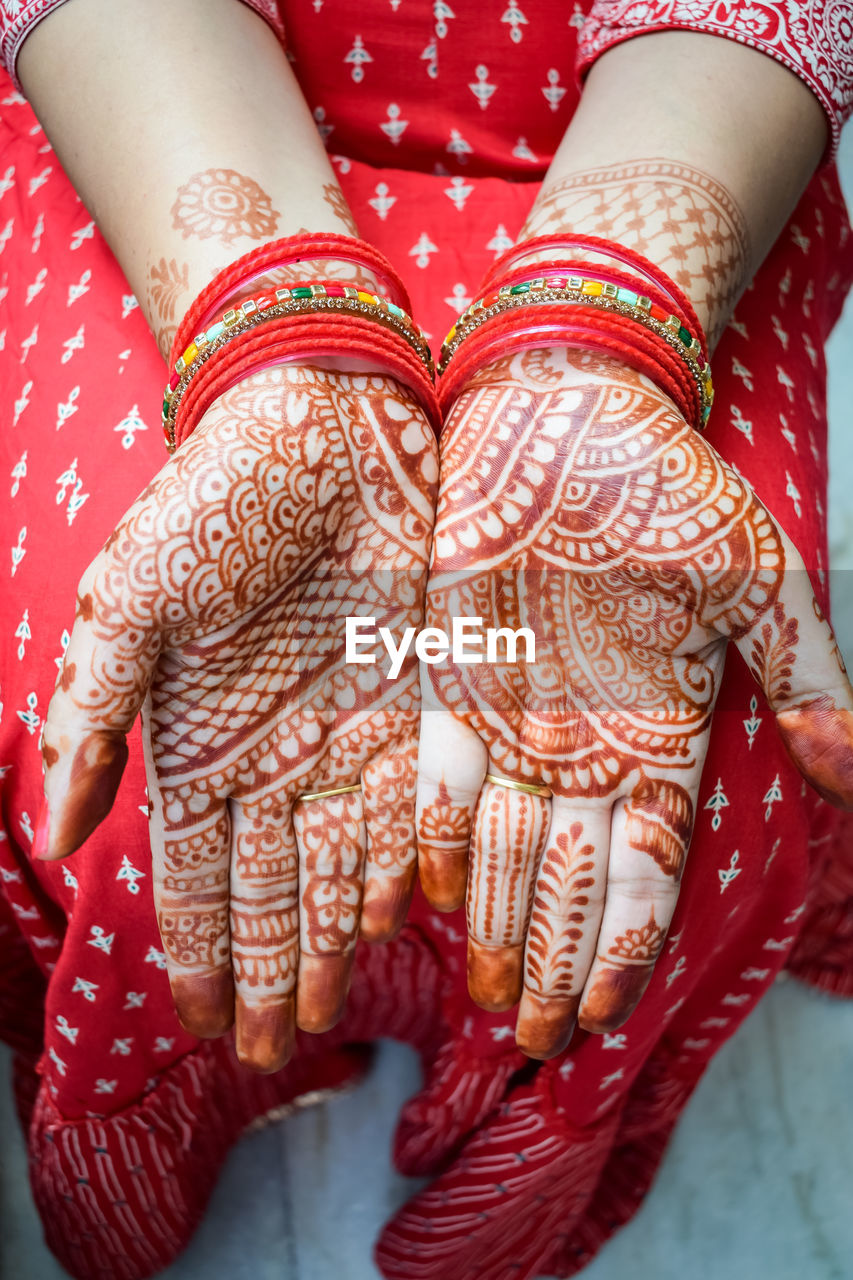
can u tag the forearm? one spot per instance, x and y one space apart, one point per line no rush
186 135
691 149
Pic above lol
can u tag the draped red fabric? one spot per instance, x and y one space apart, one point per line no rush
440 126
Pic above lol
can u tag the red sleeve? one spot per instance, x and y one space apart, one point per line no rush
813 38
18 17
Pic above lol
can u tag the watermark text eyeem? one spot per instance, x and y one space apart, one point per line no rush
469 642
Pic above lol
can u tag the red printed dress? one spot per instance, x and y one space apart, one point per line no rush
441 119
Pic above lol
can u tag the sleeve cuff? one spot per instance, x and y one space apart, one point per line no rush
814 40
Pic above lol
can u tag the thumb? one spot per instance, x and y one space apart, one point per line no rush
793 655
104 678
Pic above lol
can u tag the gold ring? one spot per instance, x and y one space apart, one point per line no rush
529 788
335 791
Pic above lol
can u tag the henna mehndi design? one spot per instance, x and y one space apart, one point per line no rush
304 496
677 216
225 204
576 502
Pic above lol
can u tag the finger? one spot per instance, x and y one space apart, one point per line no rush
452 763
264 931
332 843
565 917
510 828
190 836
793 655
649 836
105 674
388 784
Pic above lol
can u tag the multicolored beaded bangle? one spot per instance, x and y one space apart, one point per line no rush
583 291
299 299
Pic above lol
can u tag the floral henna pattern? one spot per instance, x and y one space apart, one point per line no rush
223 595
675 215
225 204
443 834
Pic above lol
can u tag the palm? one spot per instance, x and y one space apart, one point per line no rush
224 594
574 502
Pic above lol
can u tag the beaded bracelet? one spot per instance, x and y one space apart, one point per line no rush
301 339
288 251
587 292
300 299
639 265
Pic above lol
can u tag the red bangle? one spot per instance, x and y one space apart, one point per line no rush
630 257
288 339
584 328
278 253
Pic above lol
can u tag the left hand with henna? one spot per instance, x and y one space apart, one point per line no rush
576 502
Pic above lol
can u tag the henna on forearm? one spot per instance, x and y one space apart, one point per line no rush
678 217
226 184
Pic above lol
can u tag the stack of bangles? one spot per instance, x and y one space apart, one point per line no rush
310 320
637 314
640 316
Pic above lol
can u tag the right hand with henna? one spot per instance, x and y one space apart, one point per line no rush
217 607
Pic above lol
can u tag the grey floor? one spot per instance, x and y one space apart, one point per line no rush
758 1182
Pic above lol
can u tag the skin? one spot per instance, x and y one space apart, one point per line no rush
217 606
575 500
239 169
704 193
598 518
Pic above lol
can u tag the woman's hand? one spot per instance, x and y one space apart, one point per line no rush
574 501
220 602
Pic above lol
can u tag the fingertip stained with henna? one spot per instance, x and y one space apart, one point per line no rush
204 1002
265 1034
321 991
545 1024
385 906
96 771
819 738
495 975
613 997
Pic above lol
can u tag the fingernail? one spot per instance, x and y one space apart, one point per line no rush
42 833
613 997
545 1024
385 905
321 991
265 1034
495 975
204 1002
